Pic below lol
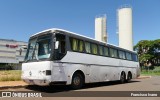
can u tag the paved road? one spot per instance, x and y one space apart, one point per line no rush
148 84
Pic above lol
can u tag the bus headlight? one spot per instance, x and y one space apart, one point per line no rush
44 72
40 72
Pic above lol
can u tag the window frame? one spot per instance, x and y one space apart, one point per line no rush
78 44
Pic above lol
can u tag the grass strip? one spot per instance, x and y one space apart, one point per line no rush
10 75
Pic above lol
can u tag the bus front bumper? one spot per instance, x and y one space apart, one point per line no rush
36 81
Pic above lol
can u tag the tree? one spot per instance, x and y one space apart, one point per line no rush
148 51
157 51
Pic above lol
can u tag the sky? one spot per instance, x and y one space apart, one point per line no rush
19 19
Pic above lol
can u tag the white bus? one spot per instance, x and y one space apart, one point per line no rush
57 56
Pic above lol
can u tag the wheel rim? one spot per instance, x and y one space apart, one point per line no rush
76 81
122 77
129 77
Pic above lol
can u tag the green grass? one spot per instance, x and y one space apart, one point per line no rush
10 75
154 72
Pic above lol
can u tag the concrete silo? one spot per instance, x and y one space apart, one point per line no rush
125 27
100 28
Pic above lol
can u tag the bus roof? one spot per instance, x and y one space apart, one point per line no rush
69 32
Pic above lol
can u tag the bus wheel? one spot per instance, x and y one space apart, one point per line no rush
129 77
77 81
122 77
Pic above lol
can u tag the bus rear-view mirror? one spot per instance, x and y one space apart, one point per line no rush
56 44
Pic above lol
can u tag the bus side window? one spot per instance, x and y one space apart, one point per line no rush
134 57
63 45
81 46
74 44
121 54
106 53
128 56
94 49
113 53
61 50
88 47
100 50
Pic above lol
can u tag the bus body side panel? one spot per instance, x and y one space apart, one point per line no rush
99 68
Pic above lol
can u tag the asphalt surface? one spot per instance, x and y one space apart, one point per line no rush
147 85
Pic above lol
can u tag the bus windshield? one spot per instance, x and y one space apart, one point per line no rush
38 49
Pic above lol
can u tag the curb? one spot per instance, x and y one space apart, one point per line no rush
13 87
144 77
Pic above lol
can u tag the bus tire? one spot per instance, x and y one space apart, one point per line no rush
129 76
122 77
77 81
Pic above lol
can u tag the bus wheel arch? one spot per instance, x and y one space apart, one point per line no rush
122 77
78 79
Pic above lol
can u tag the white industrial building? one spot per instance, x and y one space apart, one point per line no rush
125 32
100 28
12 53
124 26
